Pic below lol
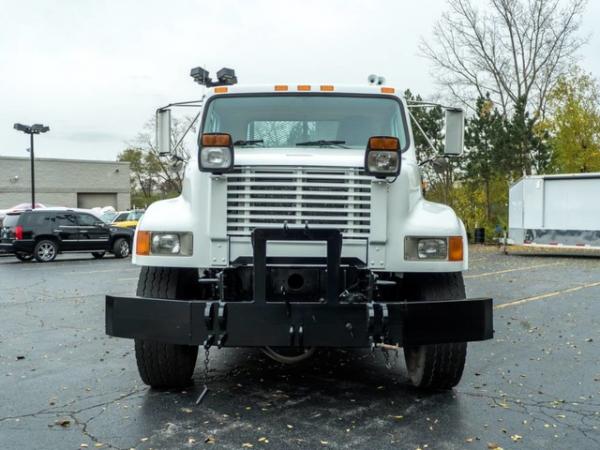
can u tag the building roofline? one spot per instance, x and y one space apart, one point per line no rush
95 161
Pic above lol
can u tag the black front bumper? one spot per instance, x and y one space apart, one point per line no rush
329 323
256 324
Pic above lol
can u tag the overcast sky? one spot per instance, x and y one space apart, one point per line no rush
95 71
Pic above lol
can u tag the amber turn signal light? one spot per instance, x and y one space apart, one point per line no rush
142 244
384 143
216 140
455 248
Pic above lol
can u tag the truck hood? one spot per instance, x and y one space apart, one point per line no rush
294 156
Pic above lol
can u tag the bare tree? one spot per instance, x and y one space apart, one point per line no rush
151 171
169 169
513 49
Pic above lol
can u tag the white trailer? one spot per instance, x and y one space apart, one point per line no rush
556 210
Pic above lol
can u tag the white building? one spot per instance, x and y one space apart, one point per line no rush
65 182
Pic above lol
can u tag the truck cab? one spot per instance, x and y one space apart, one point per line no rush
301 225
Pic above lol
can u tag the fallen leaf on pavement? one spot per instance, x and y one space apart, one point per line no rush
63 422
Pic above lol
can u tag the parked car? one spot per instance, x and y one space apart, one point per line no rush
42 234
123 219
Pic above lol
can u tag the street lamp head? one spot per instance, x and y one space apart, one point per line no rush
33 129
23 128
39 128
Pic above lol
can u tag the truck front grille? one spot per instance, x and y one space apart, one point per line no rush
327 198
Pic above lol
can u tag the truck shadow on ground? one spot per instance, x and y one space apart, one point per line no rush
332 394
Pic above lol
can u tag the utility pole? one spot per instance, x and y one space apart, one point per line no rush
32 171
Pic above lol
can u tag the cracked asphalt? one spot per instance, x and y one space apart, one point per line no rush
65 385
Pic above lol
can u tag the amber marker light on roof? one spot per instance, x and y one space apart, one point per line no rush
387 90
281 87
304 87
327 87
221 90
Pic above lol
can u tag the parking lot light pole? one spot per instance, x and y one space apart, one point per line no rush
31 130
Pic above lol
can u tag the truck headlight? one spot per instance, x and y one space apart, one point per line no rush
433 248
215 152
164 244
382 157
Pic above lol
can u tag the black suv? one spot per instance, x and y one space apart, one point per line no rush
43 233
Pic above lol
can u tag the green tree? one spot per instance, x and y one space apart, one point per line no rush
527 145
484 138
574 125
428 134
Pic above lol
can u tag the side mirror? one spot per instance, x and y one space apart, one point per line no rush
163 131
455 131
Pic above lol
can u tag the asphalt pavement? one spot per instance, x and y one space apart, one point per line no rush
65 385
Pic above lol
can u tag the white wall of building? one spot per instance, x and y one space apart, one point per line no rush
59 181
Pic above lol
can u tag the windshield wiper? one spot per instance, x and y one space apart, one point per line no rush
242 143
322 143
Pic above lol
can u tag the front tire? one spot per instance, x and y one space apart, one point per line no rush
163 365
436 366
45 251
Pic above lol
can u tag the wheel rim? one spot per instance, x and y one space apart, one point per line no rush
46 251
124 248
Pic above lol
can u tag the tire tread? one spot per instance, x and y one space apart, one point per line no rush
160 364
444 363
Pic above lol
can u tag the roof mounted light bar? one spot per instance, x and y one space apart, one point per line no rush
225 77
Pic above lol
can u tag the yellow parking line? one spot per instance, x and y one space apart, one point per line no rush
546 295
498 272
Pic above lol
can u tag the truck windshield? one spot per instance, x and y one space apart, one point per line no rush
289 120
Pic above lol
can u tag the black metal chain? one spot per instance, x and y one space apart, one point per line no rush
206 373
386 358
206 361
